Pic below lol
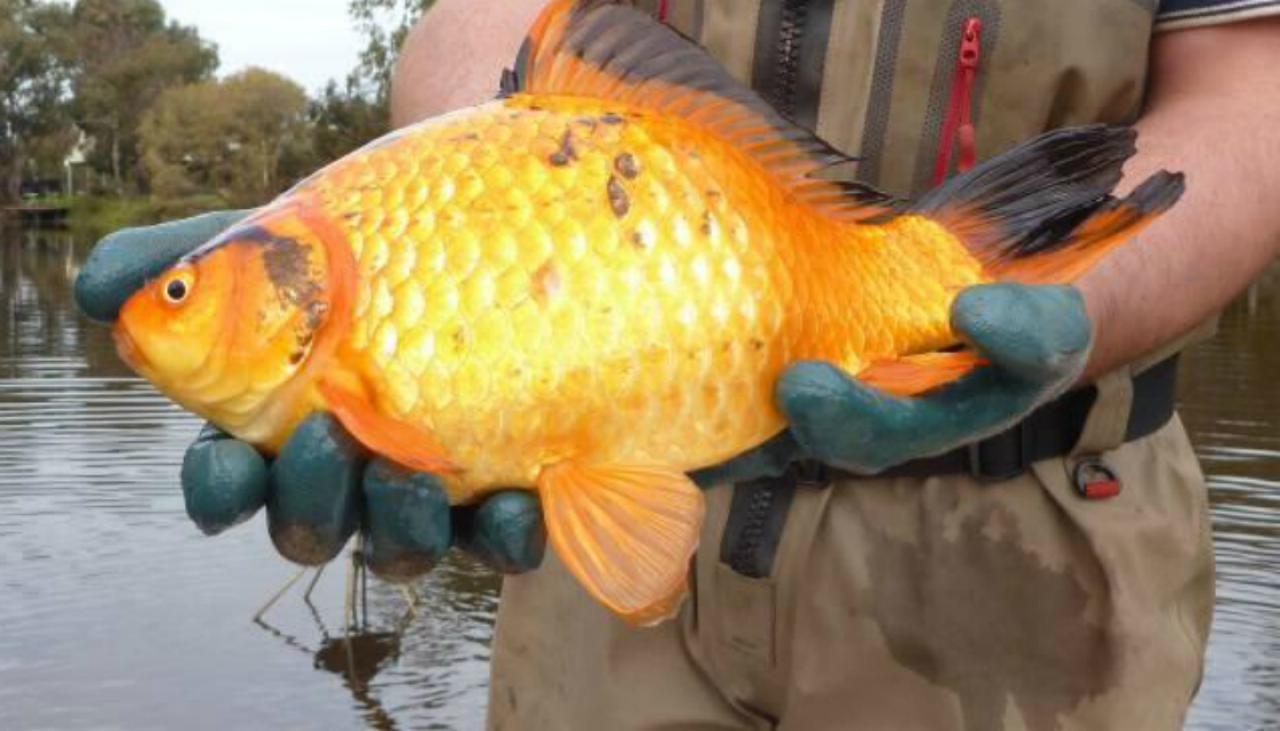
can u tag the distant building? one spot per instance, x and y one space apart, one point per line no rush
78 157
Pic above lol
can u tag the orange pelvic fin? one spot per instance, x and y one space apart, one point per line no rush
916 374
626 533
1043 213
405 444
606 50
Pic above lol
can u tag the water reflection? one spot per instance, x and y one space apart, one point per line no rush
1231 405
118 614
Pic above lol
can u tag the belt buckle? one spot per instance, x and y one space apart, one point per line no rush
811 473
979 468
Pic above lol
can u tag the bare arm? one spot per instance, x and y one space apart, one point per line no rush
1213 112
455 56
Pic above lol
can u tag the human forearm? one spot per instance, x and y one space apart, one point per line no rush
454 57
1214 112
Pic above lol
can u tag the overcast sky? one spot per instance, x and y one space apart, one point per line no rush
310 41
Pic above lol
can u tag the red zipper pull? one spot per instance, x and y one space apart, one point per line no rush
970 56
664 6
957 128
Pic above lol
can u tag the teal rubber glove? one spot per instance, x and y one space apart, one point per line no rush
1037 339
322 487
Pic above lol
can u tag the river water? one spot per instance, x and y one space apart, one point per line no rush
115 613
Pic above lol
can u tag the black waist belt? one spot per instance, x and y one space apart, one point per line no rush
759 509
1050 431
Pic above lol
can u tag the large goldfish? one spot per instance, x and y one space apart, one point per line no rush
589 286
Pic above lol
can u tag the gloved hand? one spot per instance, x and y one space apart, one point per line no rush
322 487
1037 339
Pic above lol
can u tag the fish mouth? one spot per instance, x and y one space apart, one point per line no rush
128 350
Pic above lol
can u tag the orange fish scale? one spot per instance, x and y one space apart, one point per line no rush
551 278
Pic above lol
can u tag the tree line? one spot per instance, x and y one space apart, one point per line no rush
136 93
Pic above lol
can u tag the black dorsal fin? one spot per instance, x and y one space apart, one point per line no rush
604 49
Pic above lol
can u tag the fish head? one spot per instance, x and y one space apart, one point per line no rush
237 329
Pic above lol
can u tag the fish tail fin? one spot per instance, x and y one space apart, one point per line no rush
1043 212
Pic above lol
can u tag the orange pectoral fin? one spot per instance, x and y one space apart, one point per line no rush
405 444
626 533
916 374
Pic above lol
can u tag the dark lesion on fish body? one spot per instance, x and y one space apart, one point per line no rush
619 200
567 153
612 119
314 315
291 276
546 282
640 240
316 312
627 166
288 265
708 224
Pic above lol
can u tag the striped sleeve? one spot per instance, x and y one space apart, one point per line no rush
1194 13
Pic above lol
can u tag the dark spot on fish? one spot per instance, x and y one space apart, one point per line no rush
588 122
567 152
460 337
288 266
618 198
708 223
713 193
639 240
535 108
627 166
546 282
297 357
306 337
469 137
353 215
612 119
757 344
315 313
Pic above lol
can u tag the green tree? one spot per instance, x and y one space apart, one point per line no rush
385 24
34 78
343 119
128 54
244 138
348 114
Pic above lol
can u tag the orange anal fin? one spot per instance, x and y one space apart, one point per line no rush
913 375
405 444
625 533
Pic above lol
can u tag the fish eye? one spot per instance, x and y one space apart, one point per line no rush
178 288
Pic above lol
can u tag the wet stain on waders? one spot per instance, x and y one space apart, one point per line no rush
983 617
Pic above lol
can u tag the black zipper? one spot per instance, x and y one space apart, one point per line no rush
790 42
757 517
753 503
744 557
791 49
